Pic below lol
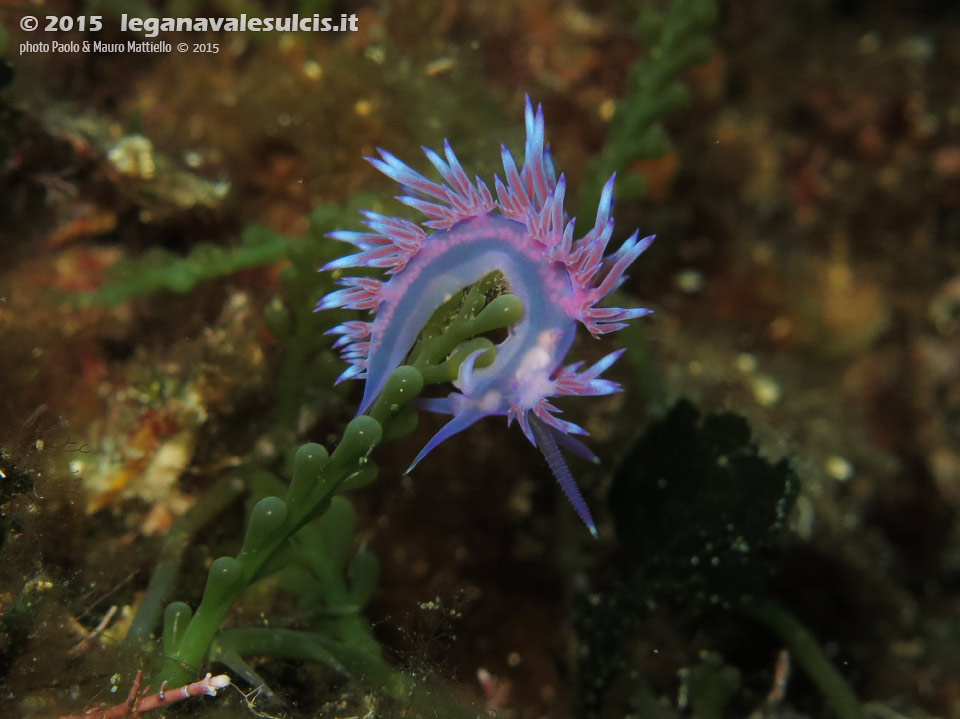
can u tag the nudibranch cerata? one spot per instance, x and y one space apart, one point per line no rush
524 233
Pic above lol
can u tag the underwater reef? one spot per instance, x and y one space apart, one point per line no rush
742 505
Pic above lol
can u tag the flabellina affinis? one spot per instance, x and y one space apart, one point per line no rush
523 232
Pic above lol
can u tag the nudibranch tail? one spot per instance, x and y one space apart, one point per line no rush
520 230
546 442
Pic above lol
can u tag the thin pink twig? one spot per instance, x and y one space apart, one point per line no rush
84 644
136 704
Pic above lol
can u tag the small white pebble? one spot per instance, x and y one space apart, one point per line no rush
689 281
375 54
839 468
606 109
440 65
765 390
133 156
746 363
312 70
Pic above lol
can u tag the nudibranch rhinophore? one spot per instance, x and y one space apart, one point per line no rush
525 234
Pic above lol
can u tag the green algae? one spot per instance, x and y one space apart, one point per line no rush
302 530
700 516
161 269
677 38
700 507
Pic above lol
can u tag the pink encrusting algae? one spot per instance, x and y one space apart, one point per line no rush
524 233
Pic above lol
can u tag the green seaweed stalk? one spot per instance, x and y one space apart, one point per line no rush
160 269
317 476
809 655
281 531
679 38
307 363
282 535
222 494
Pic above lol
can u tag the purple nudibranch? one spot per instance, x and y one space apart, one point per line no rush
525 233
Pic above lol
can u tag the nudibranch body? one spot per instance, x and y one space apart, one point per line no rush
525 234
